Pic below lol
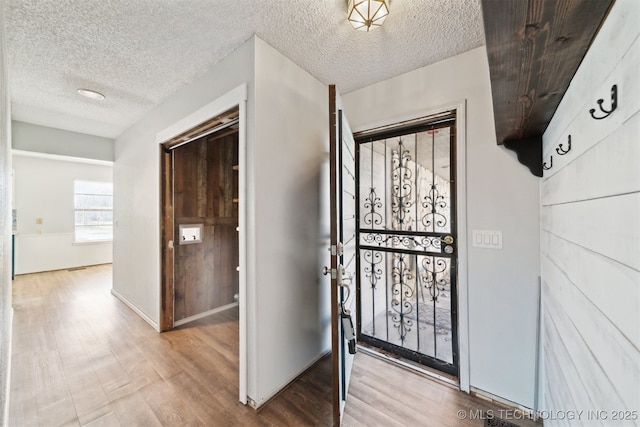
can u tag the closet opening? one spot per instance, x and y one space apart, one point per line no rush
200 255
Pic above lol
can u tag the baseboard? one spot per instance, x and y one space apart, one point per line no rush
133 307
482 394
69 268
204 314
270 396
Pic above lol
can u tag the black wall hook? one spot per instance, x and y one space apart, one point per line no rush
614 104
561 151
544 165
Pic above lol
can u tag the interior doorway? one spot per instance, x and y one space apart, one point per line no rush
407 240
205 194
200 221
229 111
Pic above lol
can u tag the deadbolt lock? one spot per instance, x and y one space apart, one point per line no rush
333 271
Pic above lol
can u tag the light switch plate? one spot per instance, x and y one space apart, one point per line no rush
488 239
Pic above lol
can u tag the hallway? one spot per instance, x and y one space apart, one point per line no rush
82 358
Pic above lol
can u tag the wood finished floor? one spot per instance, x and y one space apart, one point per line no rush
82 358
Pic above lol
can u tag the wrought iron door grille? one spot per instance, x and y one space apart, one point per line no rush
407 243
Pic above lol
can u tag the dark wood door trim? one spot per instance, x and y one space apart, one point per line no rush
166 240
333 191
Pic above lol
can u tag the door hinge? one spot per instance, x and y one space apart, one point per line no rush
336 250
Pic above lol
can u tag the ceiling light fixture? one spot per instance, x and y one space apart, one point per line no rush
91 94
365 15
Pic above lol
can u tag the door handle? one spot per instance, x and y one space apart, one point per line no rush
447 240
326 270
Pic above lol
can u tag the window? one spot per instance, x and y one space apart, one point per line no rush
93 205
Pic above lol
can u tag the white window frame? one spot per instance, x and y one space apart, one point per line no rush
76 240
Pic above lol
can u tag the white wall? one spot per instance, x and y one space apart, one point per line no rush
136 257
290 159
44 189
287 132
501 195
43 139
590 237
6 312
48 160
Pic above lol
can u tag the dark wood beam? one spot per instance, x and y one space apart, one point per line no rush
534 48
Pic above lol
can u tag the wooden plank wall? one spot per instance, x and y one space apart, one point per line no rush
590 234
206 192
534 48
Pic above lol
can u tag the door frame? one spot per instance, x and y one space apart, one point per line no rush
461 201
446 120
232 99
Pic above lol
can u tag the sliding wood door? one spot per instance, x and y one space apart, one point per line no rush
205 196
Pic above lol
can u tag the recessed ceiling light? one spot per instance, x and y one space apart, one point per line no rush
91 94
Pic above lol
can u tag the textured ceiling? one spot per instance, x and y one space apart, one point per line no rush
138 52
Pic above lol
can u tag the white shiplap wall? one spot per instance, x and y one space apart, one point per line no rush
590 236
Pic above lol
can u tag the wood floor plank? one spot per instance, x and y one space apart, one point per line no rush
55 404
107 420
206 406
384 403
201 366
24 393
169 407
89 398
113 378
159 355
134 363
360 413
132 410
